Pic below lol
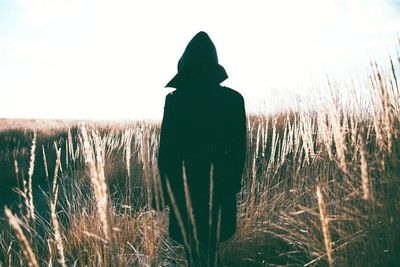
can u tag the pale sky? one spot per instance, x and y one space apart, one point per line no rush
111 59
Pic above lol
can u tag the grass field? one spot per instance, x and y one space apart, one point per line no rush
320 188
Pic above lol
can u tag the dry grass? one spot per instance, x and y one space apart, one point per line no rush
26 247
54 219
320 187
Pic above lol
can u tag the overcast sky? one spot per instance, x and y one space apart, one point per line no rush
111 59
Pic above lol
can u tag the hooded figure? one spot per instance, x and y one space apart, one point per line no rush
202 150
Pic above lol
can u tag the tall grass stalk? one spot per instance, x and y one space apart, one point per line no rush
189 208
97 178
31 213
25 246
54 219
325 225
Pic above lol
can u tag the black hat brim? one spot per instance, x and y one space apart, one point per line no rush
216 74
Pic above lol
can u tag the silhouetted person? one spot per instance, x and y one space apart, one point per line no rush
203 128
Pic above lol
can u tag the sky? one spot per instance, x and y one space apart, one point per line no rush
110 60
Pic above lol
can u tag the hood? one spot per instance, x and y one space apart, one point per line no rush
198 63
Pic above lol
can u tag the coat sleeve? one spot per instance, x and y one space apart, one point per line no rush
239 143
166 147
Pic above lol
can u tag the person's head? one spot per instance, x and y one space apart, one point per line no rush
199 63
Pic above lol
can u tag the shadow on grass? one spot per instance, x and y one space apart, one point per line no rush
261 249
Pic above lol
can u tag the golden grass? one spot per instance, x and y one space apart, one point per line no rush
26 247
31 213
54 219
325 225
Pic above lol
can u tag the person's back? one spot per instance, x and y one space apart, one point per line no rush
203 136
207 119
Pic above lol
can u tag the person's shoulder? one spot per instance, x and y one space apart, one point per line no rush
231 93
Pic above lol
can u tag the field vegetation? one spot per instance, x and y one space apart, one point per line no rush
321 187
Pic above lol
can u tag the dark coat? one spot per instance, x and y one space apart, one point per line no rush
204 125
